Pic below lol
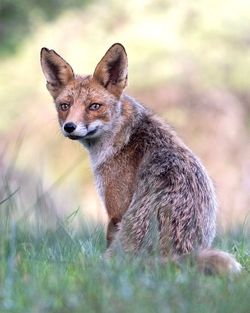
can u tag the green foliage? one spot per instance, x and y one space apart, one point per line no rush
19 17
59 270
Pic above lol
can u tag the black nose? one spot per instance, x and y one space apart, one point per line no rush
69 127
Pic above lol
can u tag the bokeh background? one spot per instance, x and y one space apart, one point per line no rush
188 60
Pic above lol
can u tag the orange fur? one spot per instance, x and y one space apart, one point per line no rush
157 193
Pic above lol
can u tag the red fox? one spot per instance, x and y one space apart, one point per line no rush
157 193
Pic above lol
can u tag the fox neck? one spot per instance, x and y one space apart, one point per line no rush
128 115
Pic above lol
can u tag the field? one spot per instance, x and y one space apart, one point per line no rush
189 62
60 269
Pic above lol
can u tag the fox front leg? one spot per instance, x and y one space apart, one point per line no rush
112 229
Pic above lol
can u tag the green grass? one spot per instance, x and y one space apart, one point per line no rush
59 269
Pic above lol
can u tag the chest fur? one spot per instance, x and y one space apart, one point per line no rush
116 181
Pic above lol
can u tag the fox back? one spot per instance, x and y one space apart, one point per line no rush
157 194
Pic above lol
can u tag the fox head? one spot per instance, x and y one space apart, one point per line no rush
87 106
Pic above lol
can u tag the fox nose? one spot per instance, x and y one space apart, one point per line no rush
69 127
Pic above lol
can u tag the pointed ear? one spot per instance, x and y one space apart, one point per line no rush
56 70
112 71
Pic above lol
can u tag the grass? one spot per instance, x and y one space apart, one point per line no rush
60 269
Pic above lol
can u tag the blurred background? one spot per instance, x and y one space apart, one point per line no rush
188 60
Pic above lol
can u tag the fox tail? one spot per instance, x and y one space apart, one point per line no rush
217 262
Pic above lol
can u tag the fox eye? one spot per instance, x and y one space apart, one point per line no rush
94 106
64 106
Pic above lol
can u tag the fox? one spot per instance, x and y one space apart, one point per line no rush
157 194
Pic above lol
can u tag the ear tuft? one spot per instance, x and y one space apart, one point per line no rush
57 71
112 71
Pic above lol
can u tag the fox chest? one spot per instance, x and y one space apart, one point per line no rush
116 183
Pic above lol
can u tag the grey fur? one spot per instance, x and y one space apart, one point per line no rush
157 193
172 189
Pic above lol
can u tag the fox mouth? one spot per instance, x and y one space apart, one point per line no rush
73 137
87 136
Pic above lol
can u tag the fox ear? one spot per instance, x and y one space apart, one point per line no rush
56 70
112 71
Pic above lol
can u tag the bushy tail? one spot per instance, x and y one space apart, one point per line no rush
216 262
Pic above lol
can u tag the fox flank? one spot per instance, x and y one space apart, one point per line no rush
157 193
